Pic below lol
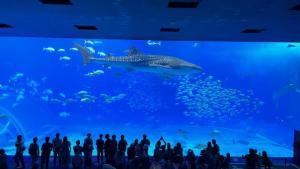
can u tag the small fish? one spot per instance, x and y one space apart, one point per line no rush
19 97
244 142
82 92
47 92
88 42
97 42
87 100
45 98
100 53
73 49
291 45
215 132
66 58
153 43
94 73
196 44
92 50
49 49
55 101
61 50
44 79
64 114
62 95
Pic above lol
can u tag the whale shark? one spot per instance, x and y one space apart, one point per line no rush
135 60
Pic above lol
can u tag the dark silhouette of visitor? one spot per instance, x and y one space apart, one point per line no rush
65 152
46 151
145 143
252 160
34 152
215 147
122 145
266 162
77 159
131 152
191 159
169 152
20 148
100 148
226 163
178 153
119 159
113 149
56 142
107 146
3 159
88 151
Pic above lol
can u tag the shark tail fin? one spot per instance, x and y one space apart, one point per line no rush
85 53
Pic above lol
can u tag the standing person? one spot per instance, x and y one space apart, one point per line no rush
100 149
46 151
113 149
145 143
20 148
88 151
266 162
3 159
57 149
122 145
77 160
34 152
107 146
65 152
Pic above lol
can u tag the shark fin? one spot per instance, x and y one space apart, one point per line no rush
133 51
85 53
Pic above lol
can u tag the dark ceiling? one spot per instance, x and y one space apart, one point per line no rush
203 20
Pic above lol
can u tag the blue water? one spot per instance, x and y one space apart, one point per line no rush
247 95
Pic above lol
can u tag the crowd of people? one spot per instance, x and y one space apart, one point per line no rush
117 154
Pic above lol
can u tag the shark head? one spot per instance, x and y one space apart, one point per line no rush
185 67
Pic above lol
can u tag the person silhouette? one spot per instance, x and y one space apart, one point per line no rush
100 148
20 148
145 143
107 146
113 149
65 152
46 151
3 159
56 142
266 162
34 152
77 159
88 151
122 145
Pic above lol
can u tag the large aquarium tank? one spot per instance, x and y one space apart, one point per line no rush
243 94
